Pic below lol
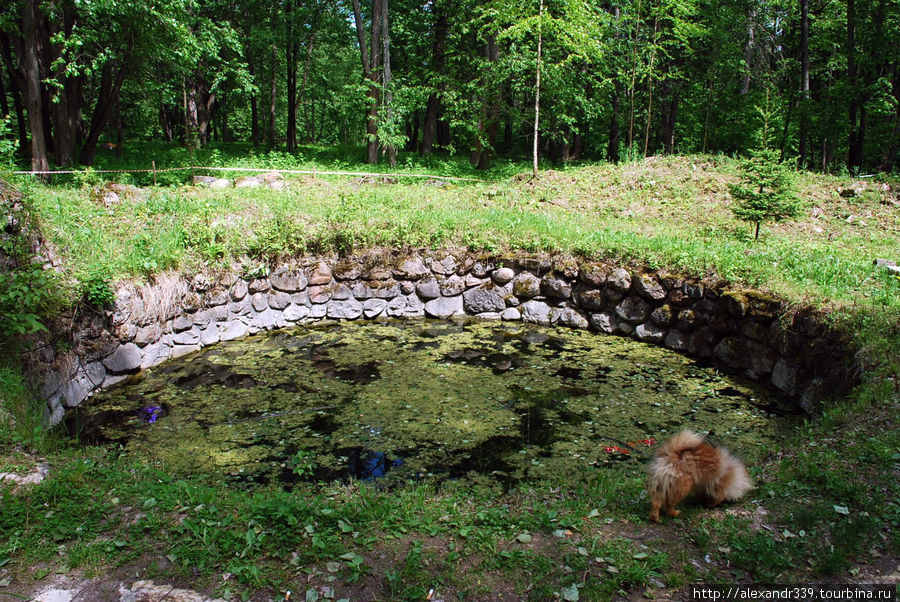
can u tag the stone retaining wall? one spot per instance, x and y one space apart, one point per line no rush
744 332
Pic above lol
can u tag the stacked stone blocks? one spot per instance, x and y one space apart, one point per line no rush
745 332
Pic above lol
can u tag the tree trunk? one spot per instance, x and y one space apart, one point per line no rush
17 87
199 103
222 115
443 132
371 65
892 153
254 121
430 126
489 123
120 129
205 115
412 132
508 131
669 124
650 77
309 119
46 111
270 132
4 103
66 108
748 49
441 27
189 138
475 155
290 60
634 49
254 108
854 150
785 130
316 136
388 93
167 123
612 148
109 94
537 92
804 82
32 71
311 130
709 96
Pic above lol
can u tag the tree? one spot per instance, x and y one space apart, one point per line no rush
765 191
373 66
804 81
537 90
30 50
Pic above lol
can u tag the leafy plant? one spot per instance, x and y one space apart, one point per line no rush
765 191
303 463
96 288
207 236
28 292
8 144
276 238
87 178
20 412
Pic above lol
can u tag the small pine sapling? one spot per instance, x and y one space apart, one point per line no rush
765 191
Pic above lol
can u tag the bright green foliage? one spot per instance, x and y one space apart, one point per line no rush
7 144
765 191
28 292
96 288
21 412
303 464
618 80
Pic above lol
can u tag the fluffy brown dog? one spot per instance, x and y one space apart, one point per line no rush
685 464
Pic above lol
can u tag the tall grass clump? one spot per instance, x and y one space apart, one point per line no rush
21 410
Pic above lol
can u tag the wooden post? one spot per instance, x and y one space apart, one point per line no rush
154 172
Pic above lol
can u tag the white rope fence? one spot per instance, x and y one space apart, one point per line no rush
72 171
313 172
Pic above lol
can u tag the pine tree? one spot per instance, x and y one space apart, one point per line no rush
765 191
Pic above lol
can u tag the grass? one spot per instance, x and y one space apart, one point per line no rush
671 212
20 411
828 502
414 539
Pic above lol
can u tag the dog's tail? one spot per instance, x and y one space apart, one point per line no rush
738 481
665 469
681 441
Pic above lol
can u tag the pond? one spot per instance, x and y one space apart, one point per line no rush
402 400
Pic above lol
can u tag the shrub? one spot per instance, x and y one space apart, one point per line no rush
8 145
276 238
765 191
25 296
96 289
28 292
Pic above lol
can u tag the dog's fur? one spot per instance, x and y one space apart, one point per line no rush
687 464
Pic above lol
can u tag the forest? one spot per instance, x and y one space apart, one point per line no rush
816 80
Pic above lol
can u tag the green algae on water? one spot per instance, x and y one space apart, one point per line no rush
403 400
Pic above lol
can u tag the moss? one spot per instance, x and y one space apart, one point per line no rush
511 401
